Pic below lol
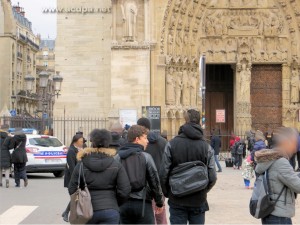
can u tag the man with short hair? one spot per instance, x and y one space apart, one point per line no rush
155 148
138 209
188 147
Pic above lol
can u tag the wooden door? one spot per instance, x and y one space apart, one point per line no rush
219 95
266 97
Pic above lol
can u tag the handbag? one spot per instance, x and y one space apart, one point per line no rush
81 208
188 178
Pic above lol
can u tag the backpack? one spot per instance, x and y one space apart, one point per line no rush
240 149
261 203
135 166
188 178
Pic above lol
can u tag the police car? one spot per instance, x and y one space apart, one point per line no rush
46 154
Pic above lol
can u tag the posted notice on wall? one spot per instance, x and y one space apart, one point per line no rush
220 116
128 116
153 113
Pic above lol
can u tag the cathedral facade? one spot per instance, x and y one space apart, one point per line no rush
125 54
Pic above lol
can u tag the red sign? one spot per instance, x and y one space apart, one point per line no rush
220 116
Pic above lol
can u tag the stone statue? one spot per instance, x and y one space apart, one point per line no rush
178 87
178 44
208 27
170 42
282 49
218 50
193 88
170 88
256 49
129 13
295 85
185 88
231 50
185 50
245 78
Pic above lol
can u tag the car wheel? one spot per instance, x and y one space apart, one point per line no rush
59 173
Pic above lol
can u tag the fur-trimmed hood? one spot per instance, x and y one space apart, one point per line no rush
97 159
265 158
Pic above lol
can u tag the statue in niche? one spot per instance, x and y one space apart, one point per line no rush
178 87
282 49
193 88
269 49
218 27
245 80
170 42
194 41
218 50
226 22
180 22
178 44
129 12
172 22
206 49
208 27
256 49
185 49
231 50
170 87
294 43
295 83
177 6
185 88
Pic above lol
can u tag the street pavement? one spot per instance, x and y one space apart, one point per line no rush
43 201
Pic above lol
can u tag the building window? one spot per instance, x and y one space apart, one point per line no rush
45 53
45 63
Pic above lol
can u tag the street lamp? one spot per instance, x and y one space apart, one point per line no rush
13 101
57 80
29 80
44 76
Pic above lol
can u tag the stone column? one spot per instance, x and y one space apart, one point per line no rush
146 20
114 21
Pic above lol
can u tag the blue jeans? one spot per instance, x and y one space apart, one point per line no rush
276 220
185 215
217 162
105 216
131 212
247 183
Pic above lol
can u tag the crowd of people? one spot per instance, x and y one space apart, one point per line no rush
131 172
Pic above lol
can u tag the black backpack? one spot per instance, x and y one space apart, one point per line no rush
135 166
240 149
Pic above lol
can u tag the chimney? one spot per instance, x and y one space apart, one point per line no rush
17 8
22 12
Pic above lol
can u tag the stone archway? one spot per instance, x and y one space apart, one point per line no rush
232 32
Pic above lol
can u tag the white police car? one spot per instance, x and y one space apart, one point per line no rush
46 154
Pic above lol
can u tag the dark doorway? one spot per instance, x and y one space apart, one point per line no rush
219 95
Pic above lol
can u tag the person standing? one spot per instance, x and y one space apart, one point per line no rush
155 148
143 177
6 145
188 146
259 144
116 133
19 158
216 145
281 175
240 153
75 147
106 178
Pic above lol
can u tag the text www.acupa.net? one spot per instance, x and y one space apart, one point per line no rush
83 10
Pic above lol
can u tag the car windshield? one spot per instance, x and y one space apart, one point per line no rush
45 142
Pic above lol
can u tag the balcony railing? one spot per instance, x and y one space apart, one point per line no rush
46 57
19 55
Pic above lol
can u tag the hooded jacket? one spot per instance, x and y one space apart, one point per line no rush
156 147
216 144
19 154
153 185
70 165
6 144
106 179
188 146
117 141
280 174
258 145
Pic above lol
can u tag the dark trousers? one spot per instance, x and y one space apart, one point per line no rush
131 212
20 172
238 160
186 215
298 159
276 220
106 216
293 161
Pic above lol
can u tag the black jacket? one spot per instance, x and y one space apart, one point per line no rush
156 147
19 154
153 185
188 146
106 178
216 144
71 163
6 144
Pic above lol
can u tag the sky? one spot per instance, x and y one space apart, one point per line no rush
44 24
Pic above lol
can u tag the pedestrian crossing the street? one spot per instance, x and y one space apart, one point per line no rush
16 214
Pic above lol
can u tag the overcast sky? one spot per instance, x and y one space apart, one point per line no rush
44 24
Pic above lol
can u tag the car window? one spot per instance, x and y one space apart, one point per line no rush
45 142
